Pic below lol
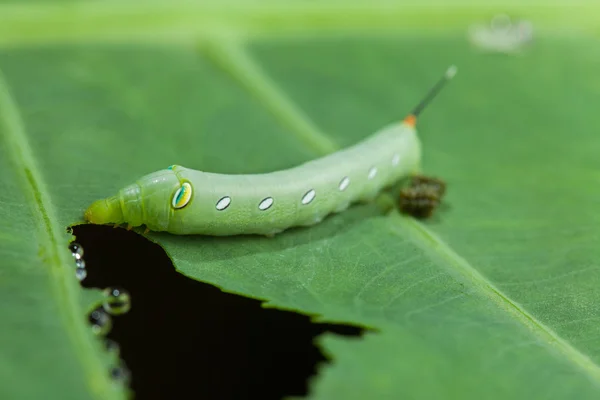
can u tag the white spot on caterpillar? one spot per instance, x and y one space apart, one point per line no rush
223 203
395 159
344 183
266 203
308 197
372 172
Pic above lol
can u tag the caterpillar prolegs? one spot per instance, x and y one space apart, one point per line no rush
184 201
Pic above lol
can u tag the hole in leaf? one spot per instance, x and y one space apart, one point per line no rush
183 338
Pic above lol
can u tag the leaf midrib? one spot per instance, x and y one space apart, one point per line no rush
65 288
251 76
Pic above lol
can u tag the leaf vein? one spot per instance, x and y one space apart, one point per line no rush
235 61
65 286
424 238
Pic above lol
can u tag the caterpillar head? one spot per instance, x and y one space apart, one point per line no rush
104 211
149 201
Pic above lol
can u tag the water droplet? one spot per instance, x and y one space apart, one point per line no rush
80 263
111 346
117 301
101 322
120 374
81 273
76 249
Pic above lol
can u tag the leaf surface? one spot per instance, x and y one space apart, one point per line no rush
494 298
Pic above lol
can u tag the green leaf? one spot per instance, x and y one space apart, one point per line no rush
47 351
495 297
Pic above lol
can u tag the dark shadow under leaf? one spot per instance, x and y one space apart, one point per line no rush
185 338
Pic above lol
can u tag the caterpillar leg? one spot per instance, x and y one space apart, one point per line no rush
116 225
272 234
342 207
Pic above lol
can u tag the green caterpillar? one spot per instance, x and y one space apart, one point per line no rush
184 201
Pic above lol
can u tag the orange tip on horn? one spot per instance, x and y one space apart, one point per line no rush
410 120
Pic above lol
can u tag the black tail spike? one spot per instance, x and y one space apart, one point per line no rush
450 72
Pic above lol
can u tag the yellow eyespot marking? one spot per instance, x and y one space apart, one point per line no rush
182 196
